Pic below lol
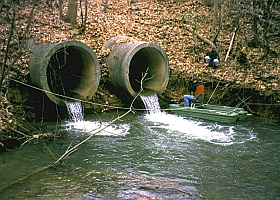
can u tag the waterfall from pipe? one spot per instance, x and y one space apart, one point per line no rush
75 110
151 104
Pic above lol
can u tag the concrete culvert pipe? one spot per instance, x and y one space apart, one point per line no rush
129 60
68 68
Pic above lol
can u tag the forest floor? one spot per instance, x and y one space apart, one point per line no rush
170 25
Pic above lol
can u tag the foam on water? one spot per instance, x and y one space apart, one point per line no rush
212 132
218 134
90 126
79 124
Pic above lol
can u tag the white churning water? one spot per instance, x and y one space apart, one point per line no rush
222 135
151 104
75 109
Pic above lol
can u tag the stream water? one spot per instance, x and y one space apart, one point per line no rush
149 156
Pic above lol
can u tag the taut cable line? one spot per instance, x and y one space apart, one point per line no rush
114 107
67 97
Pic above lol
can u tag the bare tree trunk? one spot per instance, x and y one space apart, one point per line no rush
6 69
208 3
221 17
255 41
84 19
71 15
60 10
8 46
81 8
267 15
105 6
1 6
215 15
86 11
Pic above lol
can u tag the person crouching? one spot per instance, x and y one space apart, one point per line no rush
212 57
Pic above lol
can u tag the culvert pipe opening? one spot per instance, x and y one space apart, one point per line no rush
133 64
147 68
68 68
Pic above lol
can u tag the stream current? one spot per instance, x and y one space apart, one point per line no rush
149 156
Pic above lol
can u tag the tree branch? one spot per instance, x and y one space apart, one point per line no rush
70 149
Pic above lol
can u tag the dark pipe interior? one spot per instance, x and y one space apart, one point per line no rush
64 70
147 60
137 68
